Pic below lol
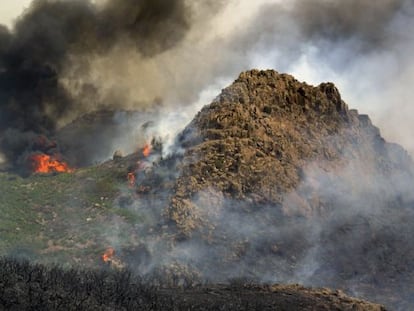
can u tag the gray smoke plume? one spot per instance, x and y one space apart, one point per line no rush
361 46
46 39
66 58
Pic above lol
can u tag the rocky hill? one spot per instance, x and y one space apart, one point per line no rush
281 176
278 181
258 138
275 181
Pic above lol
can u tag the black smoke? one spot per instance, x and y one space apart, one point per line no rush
64 58
34 54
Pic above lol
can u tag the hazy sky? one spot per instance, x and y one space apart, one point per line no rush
10 9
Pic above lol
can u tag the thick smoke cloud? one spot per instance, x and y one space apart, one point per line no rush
34 54
361 46
139 54
43 39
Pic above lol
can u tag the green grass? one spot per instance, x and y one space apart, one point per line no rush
66 218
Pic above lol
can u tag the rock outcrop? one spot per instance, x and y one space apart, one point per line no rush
281 181
259 136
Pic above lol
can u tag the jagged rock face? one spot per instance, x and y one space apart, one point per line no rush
256 139
260 131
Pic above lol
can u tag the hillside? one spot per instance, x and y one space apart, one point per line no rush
275 181
257 139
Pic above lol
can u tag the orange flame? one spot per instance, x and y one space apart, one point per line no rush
131 180
146 151
43 163
109 253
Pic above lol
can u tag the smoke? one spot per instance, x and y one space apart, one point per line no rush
168 58
55 35
360 46
346 227
66 58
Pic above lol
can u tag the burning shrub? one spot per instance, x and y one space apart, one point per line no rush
43 163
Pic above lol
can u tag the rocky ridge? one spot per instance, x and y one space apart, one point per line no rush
258 136
280 181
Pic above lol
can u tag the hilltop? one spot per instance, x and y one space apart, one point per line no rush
260 135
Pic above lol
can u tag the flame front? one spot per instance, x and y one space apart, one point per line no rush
109 253
43 163
131 177
146 151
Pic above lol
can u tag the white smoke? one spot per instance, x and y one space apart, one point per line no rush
361 46
364 48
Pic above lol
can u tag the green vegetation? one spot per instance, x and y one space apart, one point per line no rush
63 218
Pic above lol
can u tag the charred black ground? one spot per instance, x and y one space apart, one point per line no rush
24 286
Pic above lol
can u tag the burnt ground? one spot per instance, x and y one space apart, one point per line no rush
275 297
25 286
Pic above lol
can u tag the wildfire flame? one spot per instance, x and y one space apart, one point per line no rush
108 254
146 151
43 163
